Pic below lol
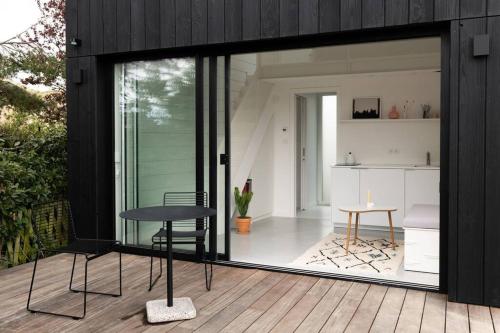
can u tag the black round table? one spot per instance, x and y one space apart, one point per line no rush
167 214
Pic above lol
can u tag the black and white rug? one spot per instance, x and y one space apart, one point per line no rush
368 256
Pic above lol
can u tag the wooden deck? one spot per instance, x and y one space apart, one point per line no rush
241 300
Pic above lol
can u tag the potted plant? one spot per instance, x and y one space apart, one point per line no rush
242 201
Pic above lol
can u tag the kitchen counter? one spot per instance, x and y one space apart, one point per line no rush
388 166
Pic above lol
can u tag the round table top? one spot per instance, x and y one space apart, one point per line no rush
365 209
168 213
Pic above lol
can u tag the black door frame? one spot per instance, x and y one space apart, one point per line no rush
441 30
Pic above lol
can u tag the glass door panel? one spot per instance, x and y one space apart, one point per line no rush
155 138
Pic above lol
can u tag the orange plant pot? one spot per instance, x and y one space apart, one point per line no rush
243 224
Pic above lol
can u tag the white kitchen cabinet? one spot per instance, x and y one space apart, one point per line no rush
345 191
387 189
421 187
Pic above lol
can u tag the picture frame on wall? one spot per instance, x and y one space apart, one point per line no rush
366 108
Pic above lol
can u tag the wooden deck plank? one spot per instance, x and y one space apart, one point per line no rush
411 313
270 318
245 319
495 316
457 318
365 314
480 319
217 323
434 316
342 315
322 311
240 300
296 315
388 314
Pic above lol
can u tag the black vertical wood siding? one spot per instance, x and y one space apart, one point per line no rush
233 16
167 23
471 129
329 15
121 26
182 22
289 18
350 14
421 11
109 12
199 22
152 23
269 18
373 13
250 19
216 21
492 190
308 17
396 12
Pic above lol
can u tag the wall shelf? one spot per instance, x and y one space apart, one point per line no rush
399 121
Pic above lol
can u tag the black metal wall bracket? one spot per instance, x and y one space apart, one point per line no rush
481 45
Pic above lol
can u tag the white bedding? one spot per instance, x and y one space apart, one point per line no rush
422 217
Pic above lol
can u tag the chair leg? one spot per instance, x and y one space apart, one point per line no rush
98 292
72 273
151 282
54 313
208 280
32 280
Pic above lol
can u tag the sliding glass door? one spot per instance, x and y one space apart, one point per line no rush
169 136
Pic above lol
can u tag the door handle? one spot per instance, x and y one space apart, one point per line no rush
224 159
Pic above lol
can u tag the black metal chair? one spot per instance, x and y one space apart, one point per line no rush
55 233
191 232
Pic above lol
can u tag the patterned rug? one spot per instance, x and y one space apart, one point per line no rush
368 256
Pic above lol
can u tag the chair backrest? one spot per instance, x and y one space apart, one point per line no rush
187 199
53 224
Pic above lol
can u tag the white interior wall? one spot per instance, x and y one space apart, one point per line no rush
329 142
261 175
411 139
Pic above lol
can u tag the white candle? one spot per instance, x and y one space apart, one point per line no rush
369 196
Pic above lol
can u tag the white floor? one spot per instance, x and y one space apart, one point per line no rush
277 241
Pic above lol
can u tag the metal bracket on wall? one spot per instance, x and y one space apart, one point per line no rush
481 45
77 77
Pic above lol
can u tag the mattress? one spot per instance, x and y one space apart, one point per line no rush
422 217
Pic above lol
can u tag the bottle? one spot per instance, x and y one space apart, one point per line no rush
349 159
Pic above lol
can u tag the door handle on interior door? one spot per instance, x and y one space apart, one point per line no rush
224 159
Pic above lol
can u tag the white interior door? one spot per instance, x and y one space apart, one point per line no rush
301 154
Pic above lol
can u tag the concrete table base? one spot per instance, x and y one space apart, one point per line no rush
159 312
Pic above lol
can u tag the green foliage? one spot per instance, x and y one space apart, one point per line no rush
242 201
32 169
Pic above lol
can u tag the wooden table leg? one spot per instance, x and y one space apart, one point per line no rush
348 234
392 230
357 225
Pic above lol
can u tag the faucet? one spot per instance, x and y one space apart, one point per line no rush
428 159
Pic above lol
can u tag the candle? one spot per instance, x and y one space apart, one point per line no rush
369 196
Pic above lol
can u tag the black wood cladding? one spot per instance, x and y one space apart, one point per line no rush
289 17
109 26
373 13
492 190
473 182
233 17
350 14
396 12
421 11
199 17
250 19
308 17
471 159
329 15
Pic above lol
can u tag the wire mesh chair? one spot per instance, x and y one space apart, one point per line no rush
55 233
185 232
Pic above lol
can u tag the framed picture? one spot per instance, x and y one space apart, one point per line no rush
366 108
